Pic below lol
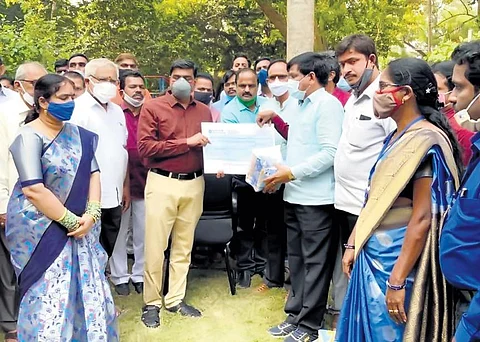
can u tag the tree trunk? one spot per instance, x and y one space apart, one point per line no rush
278 20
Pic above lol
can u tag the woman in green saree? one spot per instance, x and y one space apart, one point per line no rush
396 290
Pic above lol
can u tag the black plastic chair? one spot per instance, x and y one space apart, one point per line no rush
219 220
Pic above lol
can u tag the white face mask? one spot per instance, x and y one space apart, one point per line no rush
278 88
294 91
462 116
103 91
26 96
130 100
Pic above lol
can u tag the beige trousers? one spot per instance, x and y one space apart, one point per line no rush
172 208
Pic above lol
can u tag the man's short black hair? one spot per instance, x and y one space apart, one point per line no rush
259 60
185 65
242 55
333 63
469 54
61 63
359 43
5 77
74 74
275 61
129 73
206 76
244 70
446 70
312 62
77 55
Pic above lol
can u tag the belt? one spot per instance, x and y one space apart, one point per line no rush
179 176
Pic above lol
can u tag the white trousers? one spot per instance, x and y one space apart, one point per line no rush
118 261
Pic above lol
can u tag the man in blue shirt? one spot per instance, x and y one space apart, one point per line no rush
460 239
249 244
309 195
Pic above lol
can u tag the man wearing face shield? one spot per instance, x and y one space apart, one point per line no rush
361 142
95 111
460 240
443 72
12 116
170 142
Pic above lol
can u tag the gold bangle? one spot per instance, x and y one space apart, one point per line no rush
93 217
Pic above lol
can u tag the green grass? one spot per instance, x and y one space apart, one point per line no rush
244 317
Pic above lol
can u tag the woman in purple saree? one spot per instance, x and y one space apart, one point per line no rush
53 225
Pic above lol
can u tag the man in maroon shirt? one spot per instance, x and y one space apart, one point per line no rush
170 142
132 90
333 79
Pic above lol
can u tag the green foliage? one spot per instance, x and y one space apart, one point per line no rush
211 31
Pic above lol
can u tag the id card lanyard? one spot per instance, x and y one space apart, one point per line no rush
387 146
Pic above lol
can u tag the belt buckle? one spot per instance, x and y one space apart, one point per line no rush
181 175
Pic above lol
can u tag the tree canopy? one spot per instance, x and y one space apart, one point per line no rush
210 32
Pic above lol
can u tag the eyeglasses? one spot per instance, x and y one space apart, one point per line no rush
383 85
280 78
108 79
32 82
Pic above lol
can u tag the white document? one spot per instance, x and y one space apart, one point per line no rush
231 146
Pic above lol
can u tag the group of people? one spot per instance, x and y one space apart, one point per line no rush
377 192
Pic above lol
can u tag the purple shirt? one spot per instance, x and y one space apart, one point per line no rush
138 172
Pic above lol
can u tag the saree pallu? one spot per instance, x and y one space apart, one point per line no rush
428 299
64 293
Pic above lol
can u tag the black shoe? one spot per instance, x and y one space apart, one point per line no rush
300 335
244 279
151 316
282 330
185 310
138 287
122 289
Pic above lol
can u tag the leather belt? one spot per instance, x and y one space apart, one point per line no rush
179 176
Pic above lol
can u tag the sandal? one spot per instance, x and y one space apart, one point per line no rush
11 336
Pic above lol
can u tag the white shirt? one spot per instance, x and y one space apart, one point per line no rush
360 144
111 154
8 95
287 112
12 115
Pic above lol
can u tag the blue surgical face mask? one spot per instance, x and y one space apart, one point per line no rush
294 91
61 111
342 84
262 77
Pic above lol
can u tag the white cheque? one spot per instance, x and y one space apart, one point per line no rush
231 145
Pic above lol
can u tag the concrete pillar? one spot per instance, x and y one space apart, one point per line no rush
300 27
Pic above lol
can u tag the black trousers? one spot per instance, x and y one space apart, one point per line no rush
344 222
311 257
111 219
250 240
276 240
9 299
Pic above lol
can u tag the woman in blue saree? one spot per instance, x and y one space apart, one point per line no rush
396 290
53 225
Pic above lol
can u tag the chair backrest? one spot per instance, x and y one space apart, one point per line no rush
217 200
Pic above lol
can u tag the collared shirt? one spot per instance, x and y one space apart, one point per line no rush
12 115
220 104
138 172
286 112
237 112
7 95
460 248
111 155
361 142
163 130
312 142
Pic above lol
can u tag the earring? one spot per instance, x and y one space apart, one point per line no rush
403 100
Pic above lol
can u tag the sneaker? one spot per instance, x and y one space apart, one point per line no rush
282 330
185 310
122 289
151 316
300 335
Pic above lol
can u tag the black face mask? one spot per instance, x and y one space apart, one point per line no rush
203 97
